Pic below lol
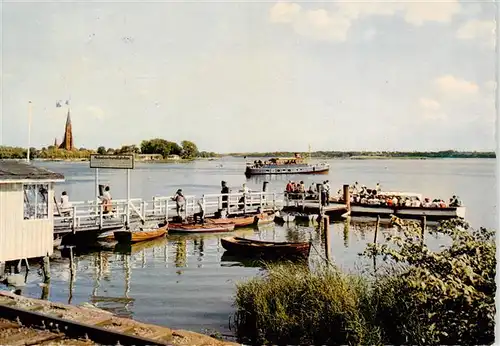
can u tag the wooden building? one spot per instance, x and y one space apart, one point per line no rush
26 210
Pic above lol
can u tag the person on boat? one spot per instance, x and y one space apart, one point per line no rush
180 201
65 204
224 191
201 214
378 188
312 188
395 201
301 187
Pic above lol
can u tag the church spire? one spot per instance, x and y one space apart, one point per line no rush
67 142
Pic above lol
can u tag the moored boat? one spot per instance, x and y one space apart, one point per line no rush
290 165
239 221
196 228
266 249
133 236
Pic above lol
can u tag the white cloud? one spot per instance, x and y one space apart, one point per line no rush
429 104
452 87
284 12
482 31
334 24
418 12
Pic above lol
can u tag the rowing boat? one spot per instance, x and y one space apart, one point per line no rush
195 228
135 236
266 249
242 221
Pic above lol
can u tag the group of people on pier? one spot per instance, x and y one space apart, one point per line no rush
297 190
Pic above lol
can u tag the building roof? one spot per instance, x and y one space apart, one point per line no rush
11 171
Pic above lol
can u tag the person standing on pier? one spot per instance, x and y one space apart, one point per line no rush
106 201
224 191
326 184
65 203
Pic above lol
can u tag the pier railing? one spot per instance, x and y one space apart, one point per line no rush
91 214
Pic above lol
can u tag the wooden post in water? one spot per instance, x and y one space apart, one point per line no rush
46 269
424 225
347 197
376 230
326 228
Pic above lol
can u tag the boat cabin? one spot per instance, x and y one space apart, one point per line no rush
26 205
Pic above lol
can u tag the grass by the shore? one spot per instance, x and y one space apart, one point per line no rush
422 298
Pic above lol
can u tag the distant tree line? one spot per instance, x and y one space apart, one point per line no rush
389 154
186 150
50 152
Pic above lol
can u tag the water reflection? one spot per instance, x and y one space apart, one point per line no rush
149 278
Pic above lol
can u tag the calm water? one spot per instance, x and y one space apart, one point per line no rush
186 282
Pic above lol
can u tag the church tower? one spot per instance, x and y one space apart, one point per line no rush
56 144
67 142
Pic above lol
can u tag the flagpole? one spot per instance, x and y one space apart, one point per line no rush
29 132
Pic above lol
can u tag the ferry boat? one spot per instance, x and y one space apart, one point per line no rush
285 165
405 212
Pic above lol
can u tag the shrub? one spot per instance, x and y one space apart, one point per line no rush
444 297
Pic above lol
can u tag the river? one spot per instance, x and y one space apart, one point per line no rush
185 282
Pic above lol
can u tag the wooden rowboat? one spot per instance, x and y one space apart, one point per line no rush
206 228
266 249
242 221
135 236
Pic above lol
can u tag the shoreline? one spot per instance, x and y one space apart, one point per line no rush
94 316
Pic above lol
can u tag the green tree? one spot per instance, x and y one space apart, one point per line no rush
101 150
189 150
160 146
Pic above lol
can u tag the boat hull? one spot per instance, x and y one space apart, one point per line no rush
299 169
408 212
265 250
138 236
206 228
237 221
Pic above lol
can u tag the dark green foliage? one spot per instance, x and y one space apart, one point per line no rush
444 297
423 297
378 154
189 150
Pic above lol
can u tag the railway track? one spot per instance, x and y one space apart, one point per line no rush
27 321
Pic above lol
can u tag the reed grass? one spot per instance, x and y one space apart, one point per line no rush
292 304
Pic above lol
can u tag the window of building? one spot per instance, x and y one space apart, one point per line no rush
36 201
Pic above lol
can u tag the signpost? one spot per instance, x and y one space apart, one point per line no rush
112 162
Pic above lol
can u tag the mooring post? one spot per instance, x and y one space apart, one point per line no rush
326 228
376 230
424 225
46 269
71 274
74 220
347 197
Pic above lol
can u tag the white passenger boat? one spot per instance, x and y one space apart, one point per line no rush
285 165
432 213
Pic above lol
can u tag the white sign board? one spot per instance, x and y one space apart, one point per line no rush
112 161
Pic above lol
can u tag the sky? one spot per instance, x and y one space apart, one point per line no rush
251 76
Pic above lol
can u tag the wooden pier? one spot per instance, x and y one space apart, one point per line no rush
90 216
